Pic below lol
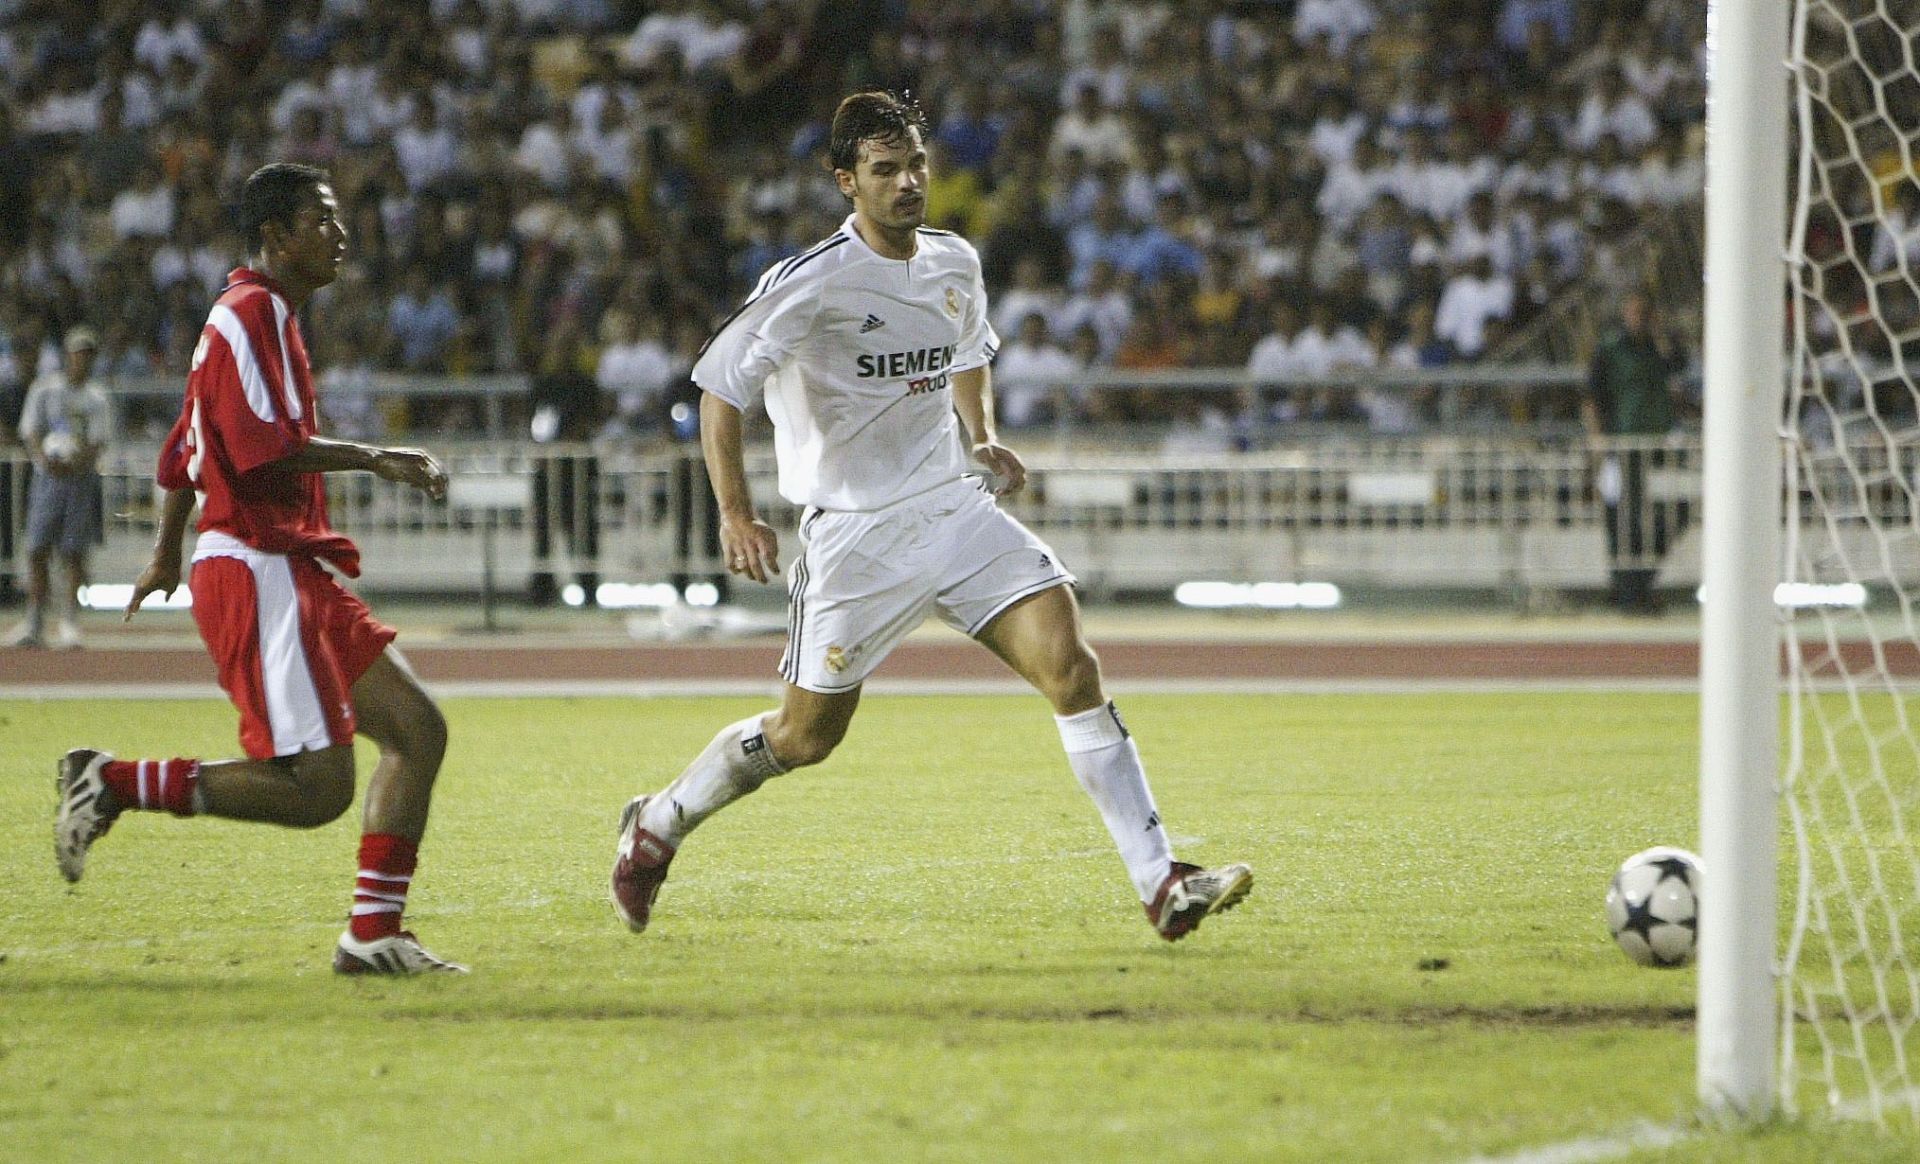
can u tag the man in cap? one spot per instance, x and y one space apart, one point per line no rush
64 426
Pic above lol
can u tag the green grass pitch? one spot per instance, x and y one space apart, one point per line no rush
923 950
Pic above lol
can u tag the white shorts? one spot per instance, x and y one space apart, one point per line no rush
866 580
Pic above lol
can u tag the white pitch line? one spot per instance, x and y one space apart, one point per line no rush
1588 1149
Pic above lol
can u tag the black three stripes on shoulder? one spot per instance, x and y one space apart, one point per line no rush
780 273
786 269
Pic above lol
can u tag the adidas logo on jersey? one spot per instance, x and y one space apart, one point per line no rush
874 323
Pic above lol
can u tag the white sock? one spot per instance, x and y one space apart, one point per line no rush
1108 766
734 764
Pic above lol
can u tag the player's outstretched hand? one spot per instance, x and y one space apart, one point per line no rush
415 467
1009 472
162 576
751 546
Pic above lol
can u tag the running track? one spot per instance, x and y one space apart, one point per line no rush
507 662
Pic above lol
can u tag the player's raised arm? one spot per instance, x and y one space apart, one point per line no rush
751 546
973 399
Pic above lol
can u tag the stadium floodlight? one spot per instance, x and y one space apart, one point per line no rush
1809 595
115 595
635 595
1258 595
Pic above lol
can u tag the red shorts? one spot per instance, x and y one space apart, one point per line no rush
290 642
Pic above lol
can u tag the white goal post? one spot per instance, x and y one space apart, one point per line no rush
1816 486
1746 207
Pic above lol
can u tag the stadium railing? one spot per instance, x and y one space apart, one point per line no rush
1527 517
1461 398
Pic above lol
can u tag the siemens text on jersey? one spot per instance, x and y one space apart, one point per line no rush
894 365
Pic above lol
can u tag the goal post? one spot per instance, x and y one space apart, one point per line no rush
1744 368
1819 489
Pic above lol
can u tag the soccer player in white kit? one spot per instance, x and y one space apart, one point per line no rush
871 352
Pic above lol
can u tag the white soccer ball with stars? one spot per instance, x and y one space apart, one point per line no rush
60 446
1653 906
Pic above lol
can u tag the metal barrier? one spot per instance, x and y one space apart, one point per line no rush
1518 516
1142 404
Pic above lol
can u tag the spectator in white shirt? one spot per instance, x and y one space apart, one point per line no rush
1341 21
1273 356
1647 69
1274 359
1029 293
543 153
701 33
1611 174
1460 172
425 149
1478 233
307 91
1286 239
1415 179
662 29
69 107
1673 172
1032 376
390 107
1540 169
351 84
1094 129
1336 129
1325 345
1351 186
1103 305
1611 108
636 369
161 41
1106 69
1471 298
609 144
146 210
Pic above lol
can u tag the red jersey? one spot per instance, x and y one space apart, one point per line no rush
250 403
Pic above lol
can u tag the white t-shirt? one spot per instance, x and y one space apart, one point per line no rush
853 353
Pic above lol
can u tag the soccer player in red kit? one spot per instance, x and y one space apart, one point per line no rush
302 658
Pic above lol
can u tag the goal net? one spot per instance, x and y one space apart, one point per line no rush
1850 970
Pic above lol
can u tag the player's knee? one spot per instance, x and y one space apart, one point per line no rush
419 738
1074 677
804 747
426 742
325 778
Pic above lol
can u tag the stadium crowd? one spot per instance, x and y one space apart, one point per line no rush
588 186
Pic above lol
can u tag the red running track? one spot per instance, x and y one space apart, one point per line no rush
961 661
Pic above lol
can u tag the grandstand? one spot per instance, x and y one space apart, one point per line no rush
1347 233
1429 182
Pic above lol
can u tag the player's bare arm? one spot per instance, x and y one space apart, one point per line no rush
163 573
973 399
405 466
751 546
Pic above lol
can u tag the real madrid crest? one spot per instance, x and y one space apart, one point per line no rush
836 660
953 303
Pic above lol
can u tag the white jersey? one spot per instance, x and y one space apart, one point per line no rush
854 353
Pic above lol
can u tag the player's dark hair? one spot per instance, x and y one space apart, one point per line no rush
872 115
274 193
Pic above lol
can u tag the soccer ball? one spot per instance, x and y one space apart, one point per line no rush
1653 906
59 446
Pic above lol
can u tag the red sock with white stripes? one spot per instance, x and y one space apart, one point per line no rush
155 785
380 892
